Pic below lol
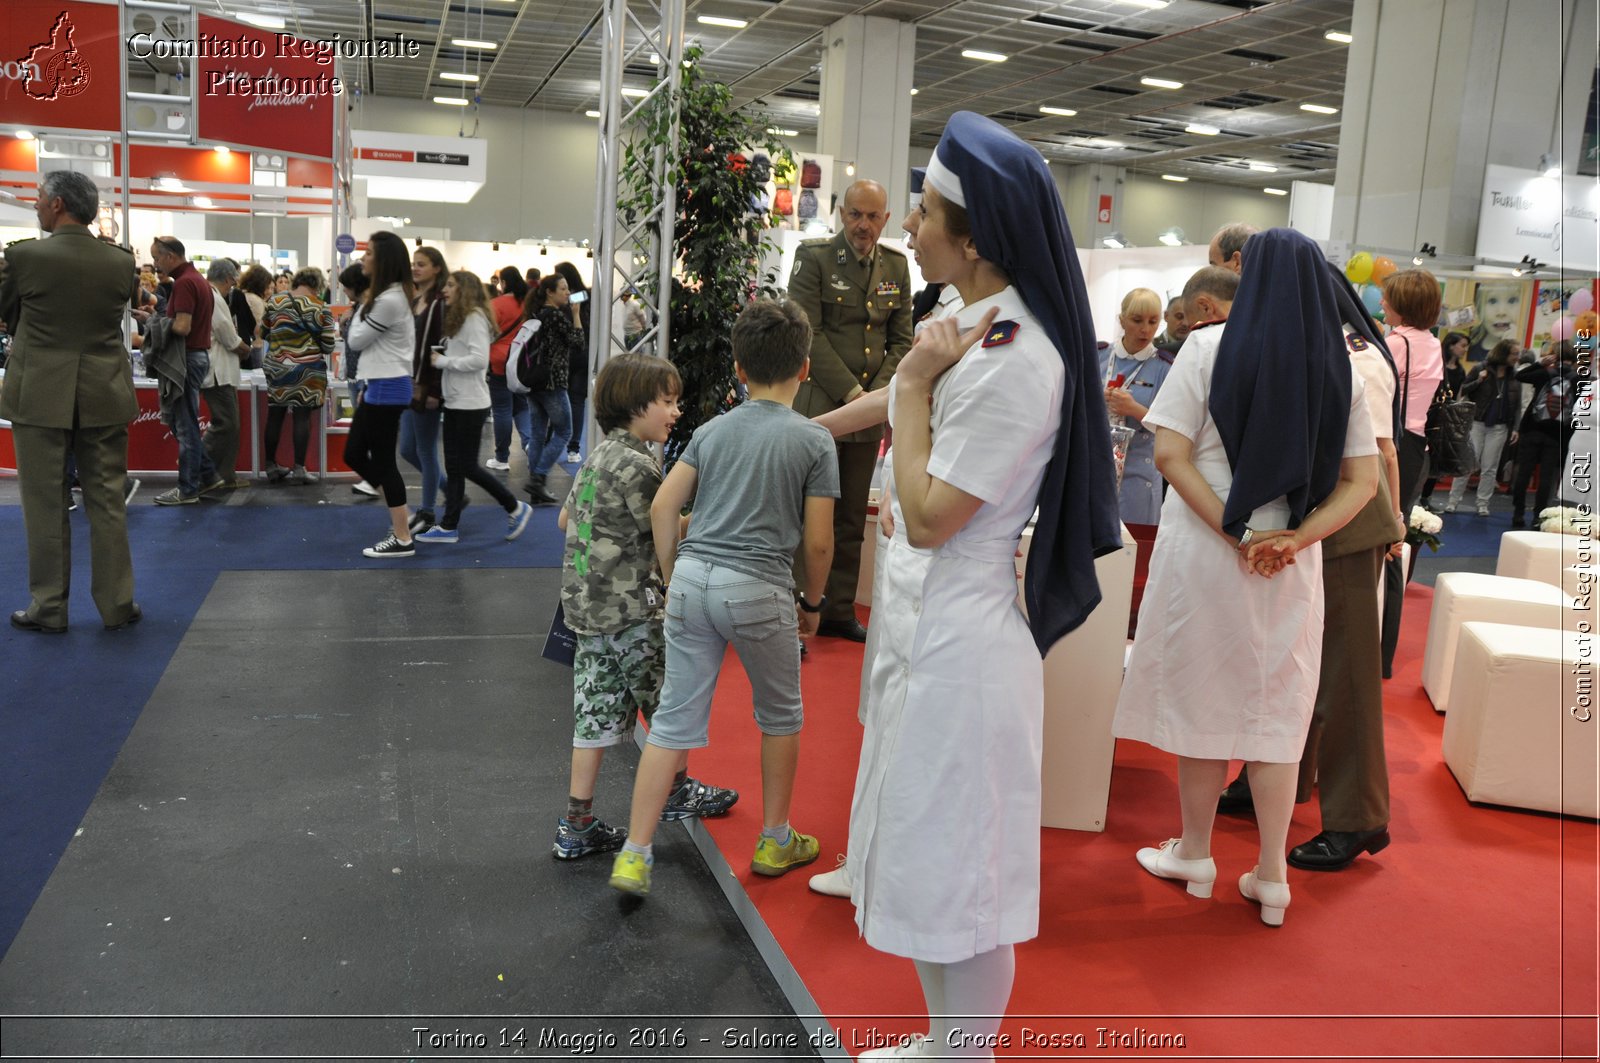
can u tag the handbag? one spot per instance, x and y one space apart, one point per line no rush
1448 429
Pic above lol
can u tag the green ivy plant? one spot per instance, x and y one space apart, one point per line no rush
718 239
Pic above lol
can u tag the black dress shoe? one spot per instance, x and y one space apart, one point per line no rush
1333 850
843 629
1236 797
21 619
135 614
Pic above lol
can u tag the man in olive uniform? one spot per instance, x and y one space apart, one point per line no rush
858 297
68 388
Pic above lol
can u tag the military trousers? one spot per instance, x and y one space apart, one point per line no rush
102 457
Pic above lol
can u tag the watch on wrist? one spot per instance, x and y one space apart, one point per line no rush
1245 539
807 607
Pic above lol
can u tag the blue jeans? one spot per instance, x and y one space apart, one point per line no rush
709 607
551 413
419 444
194 464
508 408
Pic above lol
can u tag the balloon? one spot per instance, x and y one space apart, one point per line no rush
1582 301
1382 267
1586 322
1562 329
1372 299
1359 268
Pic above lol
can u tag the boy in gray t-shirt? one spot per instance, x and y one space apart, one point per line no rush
763 480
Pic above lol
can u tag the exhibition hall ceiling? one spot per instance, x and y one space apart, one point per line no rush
1246 68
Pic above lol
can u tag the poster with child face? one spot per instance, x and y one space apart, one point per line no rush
1501 313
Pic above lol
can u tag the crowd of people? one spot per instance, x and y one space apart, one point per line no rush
1278 445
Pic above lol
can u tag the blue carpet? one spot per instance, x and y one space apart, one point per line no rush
69 701
1465 534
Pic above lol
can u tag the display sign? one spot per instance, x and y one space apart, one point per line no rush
344 243
262 93
1555 221
60 65
409 166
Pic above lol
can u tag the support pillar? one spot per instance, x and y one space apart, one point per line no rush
865 118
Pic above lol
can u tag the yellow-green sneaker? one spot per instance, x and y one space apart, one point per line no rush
630 873
774 859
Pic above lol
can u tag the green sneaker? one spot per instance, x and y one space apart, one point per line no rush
630 873
774 859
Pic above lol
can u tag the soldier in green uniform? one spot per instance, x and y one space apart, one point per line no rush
68 387
858 297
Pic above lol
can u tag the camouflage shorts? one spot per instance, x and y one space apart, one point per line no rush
615 677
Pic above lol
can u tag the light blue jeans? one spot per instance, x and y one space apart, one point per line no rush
551 413
709 607
419 444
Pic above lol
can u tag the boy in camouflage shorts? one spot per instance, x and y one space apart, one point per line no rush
612 595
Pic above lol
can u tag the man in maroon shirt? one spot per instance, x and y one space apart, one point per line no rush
189 307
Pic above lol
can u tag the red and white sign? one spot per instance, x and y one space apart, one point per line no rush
386 155
60 64
1105 210
263 94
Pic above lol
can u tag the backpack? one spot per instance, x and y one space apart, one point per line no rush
808 204
760 169
524 373
783 202
811 174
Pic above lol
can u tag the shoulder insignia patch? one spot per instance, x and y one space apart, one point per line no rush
841 256
1165 356
1355 341
1001 333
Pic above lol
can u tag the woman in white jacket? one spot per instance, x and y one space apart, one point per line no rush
463 359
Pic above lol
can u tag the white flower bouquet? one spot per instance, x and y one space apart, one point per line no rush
1566 520
1423 529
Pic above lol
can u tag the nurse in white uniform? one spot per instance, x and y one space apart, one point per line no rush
1262 431
943 857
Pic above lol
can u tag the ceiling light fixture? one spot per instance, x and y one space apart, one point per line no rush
1201 130
987 57
496 246
23 134
1550 165
718 20
203 202
222 151
1161 83
1275 191
1173 237
467 42
1425 251
775 131
637 94
1317 108
1154 5
1115 240
1173 177
849 169
450 101
1263 167
266 22
1064 112
591 114
1096 142
915 91
1338 37
544 249
451 75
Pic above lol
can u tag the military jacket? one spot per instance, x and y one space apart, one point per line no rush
63 299
609 578
860 318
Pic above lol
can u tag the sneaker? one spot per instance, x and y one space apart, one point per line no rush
421 521
599 837
300 476
773 859
219 484
1449 507
276 472
176 497
573 457
390 547
695 798
497 465
517 520
361 487
72 504
630 873
130 487
1483 509
438 534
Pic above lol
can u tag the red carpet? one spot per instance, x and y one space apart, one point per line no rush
1472 936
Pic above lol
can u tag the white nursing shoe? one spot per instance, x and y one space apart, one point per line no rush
1272 896
835 883
1162 863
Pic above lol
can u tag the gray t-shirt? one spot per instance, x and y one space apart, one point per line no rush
757 465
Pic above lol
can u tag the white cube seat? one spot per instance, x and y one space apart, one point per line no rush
1521 730
1459 597
1541 555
